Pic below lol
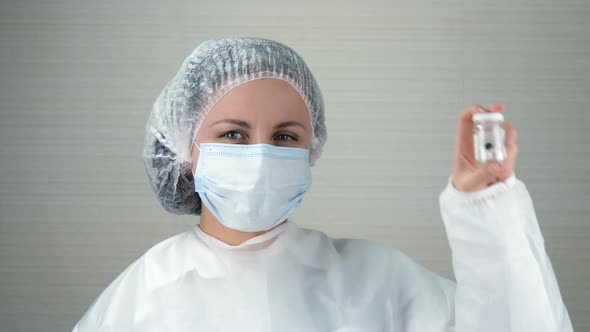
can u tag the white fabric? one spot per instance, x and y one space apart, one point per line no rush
296 279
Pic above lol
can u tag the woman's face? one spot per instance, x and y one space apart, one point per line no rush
268 111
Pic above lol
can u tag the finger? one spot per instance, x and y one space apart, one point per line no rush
496 108
512 154
510 134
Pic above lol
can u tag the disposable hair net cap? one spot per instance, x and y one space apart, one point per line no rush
205 76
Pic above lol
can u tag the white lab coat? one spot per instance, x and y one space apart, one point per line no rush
297 279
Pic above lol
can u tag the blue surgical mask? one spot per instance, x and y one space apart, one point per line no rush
252 187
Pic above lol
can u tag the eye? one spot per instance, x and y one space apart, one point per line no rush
285 138
232 135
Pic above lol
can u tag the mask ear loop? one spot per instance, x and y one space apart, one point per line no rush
197 145
195 171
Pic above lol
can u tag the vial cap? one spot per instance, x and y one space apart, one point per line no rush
488 116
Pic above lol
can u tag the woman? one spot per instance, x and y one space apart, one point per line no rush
232 137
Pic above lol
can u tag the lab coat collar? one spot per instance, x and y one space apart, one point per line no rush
254 244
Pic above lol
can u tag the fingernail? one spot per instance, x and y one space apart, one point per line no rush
499 106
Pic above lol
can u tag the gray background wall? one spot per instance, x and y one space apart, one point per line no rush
77 81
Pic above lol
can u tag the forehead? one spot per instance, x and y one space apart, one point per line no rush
266 98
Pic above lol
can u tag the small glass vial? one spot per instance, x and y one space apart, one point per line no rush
489 137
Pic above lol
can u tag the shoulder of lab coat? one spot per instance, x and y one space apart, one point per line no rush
163 263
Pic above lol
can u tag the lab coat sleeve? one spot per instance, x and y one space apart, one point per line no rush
505 280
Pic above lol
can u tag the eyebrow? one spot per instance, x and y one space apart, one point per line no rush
240 123
289 124
246 125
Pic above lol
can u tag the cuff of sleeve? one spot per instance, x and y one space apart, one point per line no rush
456 197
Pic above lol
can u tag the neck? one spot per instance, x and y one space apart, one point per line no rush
212 226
